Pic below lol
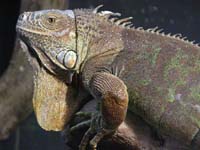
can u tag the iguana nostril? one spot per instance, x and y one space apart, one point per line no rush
21 17
24 16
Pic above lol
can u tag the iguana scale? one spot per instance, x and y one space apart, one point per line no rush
158 74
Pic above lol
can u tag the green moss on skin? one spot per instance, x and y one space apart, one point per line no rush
175 64
171 95
195 92
145 82
154 56
151 57
197 65
133 97
196 121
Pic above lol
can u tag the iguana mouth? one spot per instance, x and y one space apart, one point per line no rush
18 27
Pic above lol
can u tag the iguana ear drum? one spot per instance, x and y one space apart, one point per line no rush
70 59
67 58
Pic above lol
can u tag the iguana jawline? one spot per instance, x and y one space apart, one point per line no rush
31 31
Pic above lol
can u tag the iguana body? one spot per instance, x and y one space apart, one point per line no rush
160 72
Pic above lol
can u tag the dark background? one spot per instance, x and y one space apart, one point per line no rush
174 16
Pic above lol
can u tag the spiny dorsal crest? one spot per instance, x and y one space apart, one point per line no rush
113 17
126 23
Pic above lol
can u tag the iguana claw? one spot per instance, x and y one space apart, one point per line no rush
85 139
80 125
86 116
95 140
96 130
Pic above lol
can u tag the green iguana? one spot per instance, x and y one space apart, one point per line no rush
158 74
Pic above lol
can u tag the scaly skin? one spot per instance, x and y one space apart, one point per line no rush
160 72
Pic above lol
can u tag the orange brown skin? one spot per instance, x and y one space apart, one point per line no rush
110 104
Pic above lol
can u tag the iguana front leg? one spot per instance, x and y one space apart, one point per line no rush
113 97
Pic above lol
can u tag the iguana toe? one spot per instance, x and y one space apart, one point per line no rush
85 139
83 114
80 125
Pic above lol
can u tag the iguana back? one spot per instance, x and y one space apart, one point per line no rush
162 74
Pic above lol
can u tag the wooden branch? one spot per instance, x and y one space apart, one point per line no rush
16 87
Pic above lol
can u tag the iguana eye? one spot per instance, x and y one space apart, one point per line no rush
51 20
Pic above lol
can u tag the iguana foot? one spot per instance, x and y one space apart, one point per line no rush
94 134
86 121
95 140
85 139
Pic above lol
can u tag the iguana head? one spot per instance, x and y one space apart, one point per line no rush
52 35
66 39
